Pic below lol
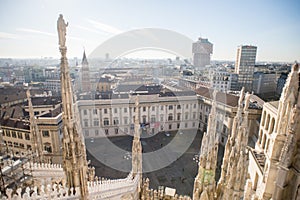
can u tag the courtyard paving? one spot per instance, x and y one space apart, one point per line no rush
169 158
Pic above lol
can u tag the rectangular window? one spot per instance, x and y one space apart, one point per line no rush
125 120
116 121
116 130
178 117
20 135
125 110
200 116
48 148
186 116
105 122
115 110
106 131
144 119
152 119
86 123
27 136
105 110
144 109
187 106
195 105
161 107
13 134
170 117
194 124
95 111
170 107
161 118
96 132
153 108
45 134
170 126
7 133
178 125
84 112
96 122
178 107
185 125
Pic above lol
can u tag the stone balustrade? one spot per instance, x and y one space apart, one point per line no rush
50 192
45 170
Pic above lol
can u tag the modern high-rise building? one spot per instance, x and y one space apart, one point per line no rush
244 65
202 50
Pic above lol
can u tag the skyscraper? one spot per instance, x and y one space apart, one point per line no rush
202 50
244 65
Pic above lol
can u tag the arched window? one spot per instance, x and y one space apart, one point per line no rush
272 125
263 118
263 141
267 122
47 147
260 136
170 117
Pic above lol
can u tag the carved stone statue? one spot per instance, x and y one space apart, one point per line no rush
61 28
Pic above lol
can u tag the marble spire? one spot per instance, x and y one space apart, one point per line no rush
34 130
290 149
136 145
204 185
235 160
287 99
74 153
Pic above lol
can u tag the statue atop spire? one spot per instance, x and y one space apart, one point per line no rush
74 153
62 30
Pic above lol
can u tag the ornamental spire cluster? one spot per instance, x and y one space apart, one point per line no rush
137 146
235 162
34 130
204 185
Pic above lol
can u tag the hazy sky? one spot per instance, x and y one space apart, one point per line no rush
28 27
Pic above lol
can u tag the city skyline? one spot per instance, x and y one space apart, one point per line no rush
28 29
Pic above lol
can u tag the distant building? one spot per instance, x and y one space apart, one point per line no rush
244 66
53 85
202 50
219 79
15 124
85 75
234 78
280 82
264 82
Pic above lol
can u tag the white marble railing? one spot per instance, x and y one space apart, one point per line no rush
50 192
113 189
45 170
